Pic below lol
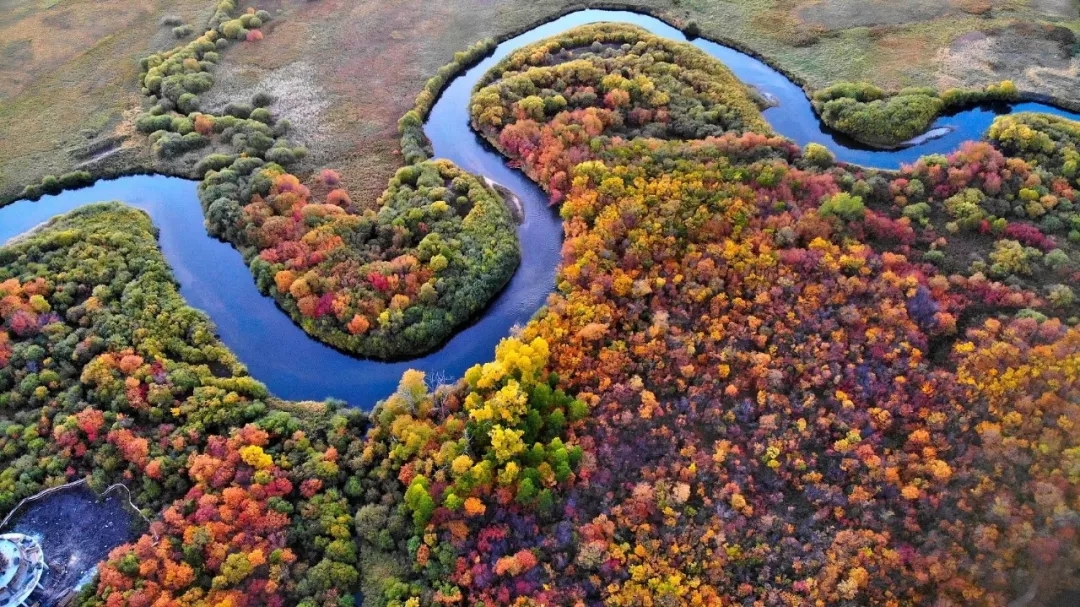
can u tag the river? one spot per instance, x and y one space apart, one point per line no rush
214 279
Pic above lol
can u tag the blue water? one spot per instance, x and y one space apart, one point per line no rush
793 117
213 277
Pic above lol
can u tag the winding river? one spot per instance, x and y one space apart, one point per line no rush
213 276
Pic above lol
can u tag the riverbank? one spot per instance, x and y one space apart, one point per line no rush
213 277
513 203
813 43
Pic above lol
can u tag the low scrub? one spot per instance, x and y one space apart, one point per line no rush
870 115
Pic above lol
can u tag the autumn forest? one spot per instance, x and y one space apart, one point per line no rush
764 376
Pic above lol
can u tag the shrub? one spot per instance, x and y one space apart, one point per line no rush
75 179
50 184
1028 313
1056 259
214 162
1003 91
262 99
1061 296
238 110
965 207
281 155
918 212
153 83
232 28
182 31
198 83
818 155
171 145
1011 257
170 21
32 192
862 92
843 205
936 257
148 123
188 103
262 115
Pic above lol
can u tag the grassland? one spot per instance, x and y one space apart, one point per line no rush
345 71
67 77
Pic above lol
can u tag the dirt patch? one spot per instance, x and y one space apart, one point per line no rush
18 50
1037 58
846 14
1065 9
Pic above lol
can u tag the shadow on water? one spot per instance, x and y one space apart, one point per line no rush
76 529
213 277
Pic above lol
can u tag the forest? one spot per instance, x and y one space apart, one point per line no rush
763 377
387 279
791 401
108 375
605 79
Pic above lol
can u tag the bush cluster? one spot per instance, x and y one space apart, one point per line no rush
414 143
106 374
51 184
870 115
563 97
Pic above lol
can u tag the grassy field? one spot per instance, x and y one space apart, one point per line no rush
345 71
67 77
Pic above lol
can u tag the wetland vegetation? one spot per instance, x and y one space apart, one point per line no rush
763 376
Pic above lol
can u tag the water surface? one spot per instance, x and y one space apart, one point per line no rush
294 366
77 530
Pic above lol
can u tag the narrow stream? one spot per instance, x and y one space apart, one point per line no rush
214 279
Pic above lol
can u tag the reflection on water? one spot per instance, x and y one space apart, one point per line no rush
76 529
